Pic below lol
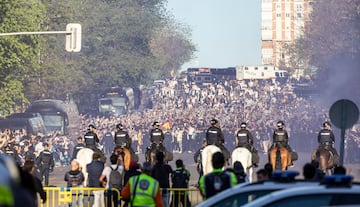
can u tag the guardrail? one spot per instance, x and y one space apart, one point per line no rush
101 197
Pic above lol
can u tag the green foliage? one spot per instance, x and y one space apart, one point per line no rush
121 46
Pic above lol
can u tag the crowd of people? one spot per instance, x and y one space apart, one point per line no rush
184 111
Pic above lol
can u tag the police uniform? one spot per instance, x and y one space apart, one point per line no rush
122 139
281 139
46 164
214 136
326 140
245 139
91 139
77 148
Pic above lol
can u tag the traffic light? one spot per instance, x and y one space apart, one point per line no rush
73 37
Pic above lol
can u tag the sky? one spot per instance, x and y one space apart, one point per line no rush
226 32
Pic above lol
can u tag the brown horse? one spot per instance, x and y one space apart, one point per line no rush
151 156
325 158
279 158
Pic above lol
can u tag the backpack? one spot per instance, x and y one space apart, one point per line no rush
217 182
180 179
115 179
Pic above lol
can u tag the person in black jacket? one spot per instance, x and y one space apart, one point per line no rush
94 170
161 172
29 168
326 140
45 162
180 179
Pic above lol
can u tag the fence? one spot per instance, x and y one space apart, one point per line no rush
101 197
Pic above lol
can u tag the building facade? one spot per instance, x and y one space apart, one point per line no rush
282 21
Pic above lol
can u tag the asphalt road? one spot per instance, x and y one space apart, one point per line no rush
57 177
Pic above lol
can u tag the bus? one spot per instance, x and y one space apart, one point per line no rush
114 101
62 117
31 122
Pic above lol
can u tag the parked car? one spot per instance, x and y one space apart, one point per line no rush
244 193
336 190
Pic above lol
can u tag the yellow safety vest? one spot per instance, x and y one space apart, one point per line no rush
145 190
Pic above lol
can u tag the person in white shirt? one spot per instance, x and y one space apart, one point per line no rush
116 164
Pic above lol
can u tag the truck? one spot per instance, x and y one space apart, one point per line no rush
260 72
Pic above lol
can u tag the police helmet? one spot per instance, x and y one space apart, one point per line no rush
327 123
91 126
119 126
280 124
213 121
243 125
156 123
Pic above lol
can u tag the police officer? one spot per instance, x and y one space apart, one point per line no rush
91 138
281 139
121 137
245 139
156 139
80 145
215 136
45 162
326 140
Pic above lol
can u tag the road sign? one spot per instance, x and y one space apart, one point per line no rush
344 113
73 38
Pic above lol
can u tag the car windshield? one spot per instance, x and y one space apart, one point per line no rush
242 198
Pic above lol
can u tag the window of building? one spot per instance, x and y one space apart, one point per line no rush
299 15
278 15
287 14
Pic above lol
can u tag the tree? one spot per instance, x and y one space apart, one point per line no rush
332 41
18 54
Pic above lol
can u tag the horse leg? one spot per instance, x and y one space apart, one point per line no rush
322 162
272 158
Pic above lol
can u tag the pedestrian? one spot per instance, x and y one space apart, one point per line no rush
95 169
262 175
29 167
75 178
161 172
134 170
45 163
143 190
180 180
218 180
112 178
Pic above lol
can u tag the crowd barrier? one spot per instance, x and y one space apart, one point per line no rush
101 197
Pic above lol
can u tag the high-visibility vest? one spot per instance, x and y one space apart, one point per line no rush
6 198
145 190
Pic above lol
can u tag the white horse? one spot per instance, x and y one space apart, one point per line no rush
84 157
206 156
244 156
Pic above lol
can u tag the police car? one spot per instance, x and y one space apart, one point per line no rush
336 190
244 193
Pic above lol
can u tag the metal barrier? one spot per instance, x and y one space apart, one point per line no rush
86 197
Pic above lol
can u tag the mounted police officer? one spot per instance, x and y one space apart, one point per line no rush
92 141
80 145
156 139
281 139
91 138
122 138
214 136
245 139
326 140
45 162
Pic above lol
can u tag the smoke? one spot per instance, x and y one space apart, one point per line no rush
339 79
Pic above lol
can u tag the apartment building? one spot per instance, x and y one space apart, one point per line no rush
282 21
